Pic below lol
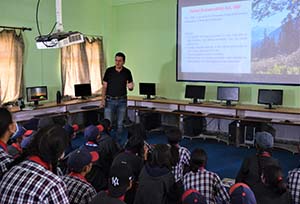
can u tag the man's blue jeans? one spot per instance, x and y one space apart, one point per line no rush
116 109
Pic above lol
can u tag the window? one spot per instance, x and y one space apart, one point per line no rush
82 63
11 65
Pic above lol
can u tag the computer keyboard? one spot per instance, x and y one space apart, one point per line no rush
184 111
140 107
220 115
257 118
28 108
89 107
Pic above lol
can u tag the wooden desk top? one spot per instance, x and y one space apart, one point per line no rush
239 107
54 104
242 107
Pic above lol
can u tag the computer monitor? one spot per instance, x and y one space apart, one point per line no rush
83 90
36 94
147 89
228 94
195 92
270 97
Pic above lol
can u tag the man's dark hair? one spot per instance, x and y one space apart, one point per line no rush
121 54
5 120
198 159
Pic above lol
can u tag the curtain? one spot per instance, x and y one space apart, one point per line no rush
11 65
82 63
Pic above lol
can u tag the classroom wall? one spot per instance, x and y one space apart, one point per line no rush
146 32
42 67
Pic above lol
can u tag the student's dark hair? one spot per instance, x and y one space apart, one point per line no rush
260 150
198 159
135 139
5 120
106 125
174 136
121 54
48 143
274 178
161 156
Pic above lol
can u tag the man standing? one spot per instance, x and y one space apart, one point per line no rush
114 91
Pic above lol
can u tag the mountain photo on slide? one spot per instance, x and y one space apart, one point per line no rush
275 35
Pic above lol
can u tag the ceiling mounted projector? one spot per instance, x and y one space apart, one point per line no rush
58 39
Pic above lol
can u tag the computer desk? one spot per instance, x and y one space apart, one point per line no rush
240 112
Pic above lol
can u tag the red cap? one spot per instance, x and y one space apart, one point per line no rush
28 133
75 127
95 156
100 128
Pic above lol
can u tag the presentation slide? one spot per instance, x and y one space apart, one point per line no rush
239 41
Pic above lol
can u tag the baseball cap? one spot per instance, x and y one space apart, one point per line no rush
28 133
75 127
20 130
45 122
106 124
134 141
264 140
240 193
91 133
32 124
119 177
100 127
80 158
69 129
193 197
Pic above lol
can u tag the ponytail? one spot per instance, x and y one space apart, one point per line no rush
174 136
274 179
281 186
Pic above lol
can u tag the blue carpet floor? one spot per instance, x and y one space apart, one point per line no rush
222 159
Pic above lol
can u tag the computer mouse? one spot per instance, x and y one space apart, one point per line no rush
287 121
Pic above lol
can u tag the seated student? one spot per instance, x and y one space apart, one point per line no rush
106 126
99 174
133 157
294 184
193 197
181 155
204 181
240 193
133 154
120 181
33 179
15 148
272 189
79 164
7 129
27 139
71 131
108 148
91 135
156 181
250 171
